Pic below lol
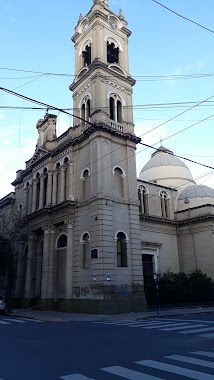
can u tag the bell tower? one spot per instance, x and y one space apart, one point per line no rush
109 248
102 89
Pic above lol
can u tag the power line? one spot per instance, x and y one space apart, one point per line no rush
166 77
185 18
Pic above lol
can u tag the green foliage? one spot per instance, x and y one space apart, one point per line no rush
180 288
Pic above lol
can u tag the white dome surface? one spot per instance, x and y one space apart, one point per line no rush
166 170
197 195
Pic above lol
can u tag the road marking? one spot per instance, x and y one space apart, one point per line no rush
203 353
162 325
176 370
207 335
197 330
31 320
187 359
4 323
129 373
75 376
14 320
189 320
188 326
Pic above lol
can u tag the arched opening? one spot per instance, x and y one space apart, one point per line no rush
66 181
118 182
121 250
39 260
143 198
57 182
62 241
24 272
112 53
85 184
87 56
85 262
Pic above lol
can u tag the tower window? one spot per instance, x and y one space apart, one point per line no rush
112 53
86 110
115 109
164 204
87 56
62 241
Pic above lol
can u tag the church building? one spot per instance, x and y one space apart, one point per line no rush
91 227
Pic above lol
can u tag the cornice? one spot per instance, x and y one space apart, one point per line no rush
156 219
49 210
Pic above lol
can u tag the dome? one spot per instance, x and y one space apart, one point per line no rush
196 195
165 169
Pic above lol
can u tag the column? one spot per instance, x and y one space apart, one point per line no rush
34 195
52 265
69 259
71 181
49 188
19 271
45 264
62 184
28 282
54 193
41 195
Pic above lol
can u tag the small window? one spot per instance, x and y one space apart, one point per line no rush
121 250
62 241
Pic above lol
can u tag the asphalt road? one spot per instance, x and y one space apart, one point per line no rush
177 348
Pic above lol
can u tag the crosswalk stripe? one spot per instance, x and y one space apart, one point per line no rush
129 373
188 326
4 323
189 320
75 376
204 353
176 370
31 320
197 330
14 320
207 335
162 325
187 359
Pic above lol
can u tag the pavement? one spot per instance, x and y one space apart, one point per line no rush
57 316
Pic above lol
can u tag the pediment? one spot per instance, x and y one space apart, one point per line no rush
38 154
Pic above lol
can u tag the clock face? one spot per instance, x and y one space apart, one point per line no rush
113 25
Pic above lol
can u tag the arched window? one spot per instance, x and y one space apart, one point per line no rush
27 189
164 204
143 198
121 250
118 182
115 108
62 241
112 53
85 178
85 261
87 55
85 111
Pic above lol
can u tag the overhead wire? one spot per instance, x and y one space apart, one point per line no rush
185 18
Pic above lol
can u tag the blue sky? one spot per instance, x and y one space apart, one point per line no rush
36 36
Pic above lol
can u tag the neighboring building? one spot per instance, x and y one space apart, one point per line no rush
93 227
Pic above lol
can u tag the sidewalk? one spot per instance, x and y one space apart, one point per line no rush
57 316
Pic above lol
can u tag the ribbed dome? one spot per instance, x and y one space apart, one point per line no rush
167 170
197 195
